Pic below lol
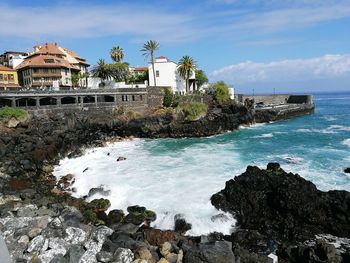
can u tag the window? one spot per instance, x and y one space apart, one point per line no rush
141 97
157 73
66 71
1 77
48 61
5 77
45 70
35 70
53 70
11 78
133 97
66 81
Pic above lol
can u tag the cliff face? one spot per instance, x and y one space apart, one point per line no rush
45 139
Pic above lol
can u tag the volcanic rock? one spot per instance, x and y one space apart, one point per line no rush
284 206
181 225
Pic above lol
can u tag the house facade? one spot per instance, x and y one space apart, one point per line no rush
12 59
52 66
8 78
168 76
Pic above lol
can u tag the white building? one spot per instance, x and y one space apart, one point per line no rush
12 59
168 76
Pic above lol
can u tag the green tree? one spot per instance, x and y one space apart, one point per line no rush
101 70
185 67
201 78
117 54
118 71
75 79
168 97
148 51
221 92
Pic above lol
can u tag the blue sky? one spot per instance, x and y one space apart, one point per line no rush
289 45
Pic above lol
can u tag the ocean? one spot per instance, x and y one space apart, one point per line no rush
178 176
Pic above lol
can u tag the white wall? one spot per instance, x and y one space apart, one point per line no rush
168 75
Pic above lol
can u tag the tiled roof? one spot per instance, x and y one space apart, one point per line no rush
45 61
161 57
50 48
3 68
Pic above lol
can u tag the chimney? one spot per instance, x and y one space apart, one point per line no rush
36 48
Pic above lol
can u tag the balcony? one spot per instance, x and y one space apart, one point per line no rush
48 74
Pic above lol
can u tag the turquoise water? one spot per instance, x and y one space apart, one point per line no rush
173 176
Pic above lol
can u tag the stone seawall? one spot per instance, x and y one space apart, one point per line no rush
277 99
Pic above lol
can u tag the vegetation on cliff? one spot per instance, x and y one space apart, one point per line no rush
7 113
194 110
221 92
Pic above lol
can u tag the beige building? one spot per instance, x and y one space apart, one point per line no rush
52 66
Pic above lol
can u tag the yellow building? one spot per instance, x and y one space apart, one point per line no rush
8 78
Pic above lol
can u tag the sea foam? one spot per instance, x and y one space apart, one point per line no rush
346 142
170 180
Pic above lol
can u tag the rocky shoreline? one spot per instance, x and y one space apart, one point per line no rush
42 222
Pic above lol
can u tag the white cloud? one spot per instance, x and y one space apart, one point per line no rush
94 21
140 21
284 71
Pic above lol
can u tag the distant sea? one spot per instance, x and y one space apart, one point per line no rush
178 176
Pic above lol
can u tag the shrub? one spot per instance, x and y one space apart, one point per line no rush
221 92
194 110
168 97
131 115
8 113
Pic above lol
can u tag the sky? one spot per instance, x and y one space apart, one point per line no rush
265 45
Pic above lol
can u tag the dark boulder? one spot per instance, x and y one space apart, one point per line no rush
134 218
136 209
115 216
181 226
317 253
284 206
347 170
211 252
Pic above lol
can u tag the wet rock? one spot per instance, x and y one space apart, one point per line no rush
123 255
134 218
100 204
181 226
347 170
150 216
135 209
104 256
284 206
115 216
99 190
121 158
213 252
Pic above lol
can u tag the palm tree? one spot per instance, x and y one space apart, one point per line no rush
185 67
117 54
148 51
100 70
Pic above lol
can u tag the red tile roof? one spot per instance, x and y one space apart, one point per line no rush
3 68
39 60
50 48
